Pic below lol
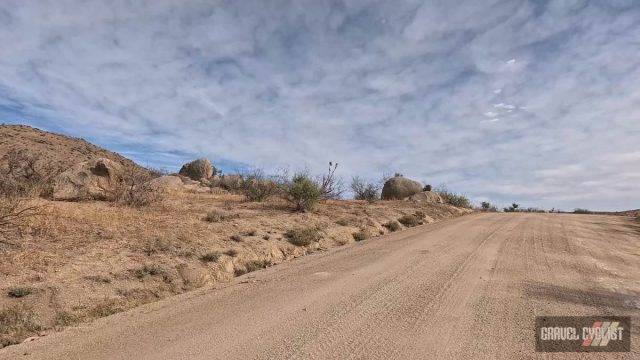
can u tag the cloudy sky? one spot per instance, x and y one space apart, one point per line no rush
530 101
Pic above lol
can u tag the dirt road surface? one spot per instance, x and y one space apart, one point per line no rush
461 289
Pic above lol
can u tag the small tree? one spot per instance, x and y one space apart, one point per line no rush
363 190
303 192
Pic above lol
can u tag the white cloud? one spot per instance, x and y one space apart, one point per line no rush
375 86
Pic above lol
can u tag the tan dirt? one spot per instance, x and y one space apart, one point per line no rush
459 289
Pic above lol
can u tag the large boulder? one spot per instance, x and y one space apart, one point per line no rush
426 197
166 184
198 169
398 188
96 179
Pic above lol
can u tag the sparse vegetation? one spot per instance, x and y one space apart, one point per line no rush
210 257
215 216
236 237
487 207
25 175
256 187
133 191
303 192
451 198
15 214
148 270
361 235
582 211
410 220
16 322
231 252
18 291
364 190
392 225
304 236
330 186
343 222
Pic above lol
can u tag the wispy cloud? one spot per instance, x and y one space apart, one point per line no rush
408 86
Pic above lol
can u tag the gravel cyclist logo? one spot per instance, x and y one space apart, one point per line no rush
583 334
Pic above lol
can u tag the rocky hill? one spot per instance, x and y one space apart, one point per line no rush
53 152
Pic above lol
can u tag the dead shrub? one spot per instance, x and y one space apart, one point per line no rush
133 190
256 187
252 266
330 186
16 323
304 236
215 216
361 235
363 190
410 220
15 215
392 225
231 252
150 270
104 308
210 257
19 291
25 175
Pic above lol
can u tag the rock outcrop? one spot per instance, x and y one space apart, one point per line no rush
399 187
97 179
198 169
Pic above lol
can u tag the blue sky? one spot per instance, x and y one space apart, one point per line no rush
530 101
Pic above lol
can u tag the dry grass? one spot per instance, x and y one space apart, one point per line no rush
97 254
16 323
304 236
410 220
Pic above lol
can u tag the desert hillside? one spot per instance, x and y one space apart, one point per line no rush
54 152
118 242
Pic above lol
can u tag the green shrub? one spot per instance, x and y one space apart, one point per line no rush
582 211
451 198
303 192
304 236
487 207
392 225
410 220
256 187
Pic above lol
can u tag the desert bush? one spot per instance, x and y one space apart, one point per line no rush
257 187
410 220
16 323
15 214
133 190
363 190
231 252
451 198
487 207
148 270
236 238
343 222
392 225
252 266
214 216
25 175
303 192
582 211
104 308
427 188
210 257
18 291
331 187
361 235
304 236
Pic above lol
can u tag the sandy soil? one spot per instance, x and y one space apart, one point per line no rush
81 261
463 288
